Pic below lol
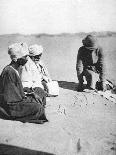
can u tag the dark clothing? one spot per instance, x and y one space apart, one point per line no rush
12 86
90 41
90 58
38 93
15 103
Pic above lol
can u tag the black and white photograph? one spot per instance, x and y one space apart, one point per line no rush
58 77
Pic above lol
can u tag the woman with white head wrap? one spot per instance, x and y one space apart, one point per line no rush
15 103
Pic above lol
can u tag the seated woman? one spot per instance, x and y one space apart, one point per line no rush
14 103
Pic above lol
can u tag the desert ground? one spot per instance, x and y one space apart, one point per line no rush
80 123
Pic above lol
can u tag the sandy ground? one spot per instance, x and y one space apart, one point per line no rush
79 123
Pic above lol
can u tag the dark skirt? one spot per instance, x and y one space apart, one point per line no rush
27 110
39 94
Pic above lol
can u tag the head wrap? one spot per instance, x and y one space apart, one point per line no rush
35 50
18 50
90 41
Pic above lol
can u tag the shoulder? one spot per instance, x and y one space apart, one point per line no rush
81 51
81 48
29 67
29 62
8 71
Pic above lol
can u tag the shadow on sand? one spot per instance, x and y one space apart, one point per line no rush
68 85
14 150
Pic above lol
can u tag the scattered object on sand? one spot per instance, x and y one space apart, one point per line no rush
109 94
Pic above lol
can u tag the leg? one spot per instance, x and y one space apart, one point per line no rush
91 78
28 111
41 93
81 80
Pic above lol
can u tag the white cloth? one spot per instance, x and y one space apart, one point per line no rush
43 71
35 50
30 75
108 95
18 50
53 88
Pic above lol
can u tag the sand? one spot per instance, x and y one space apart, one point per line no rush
80 123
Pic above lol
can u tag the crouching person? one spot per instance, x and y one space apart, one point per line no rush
14 103
90 64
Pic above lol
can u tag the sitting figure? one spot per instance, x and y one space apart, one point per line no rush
31 80
35 53
90 64
15 104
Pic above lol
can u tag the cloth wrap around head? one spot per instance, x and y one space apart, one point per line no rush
18 50
90 41
35 50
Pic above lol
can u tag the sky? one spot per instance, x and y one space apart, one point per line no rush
57 16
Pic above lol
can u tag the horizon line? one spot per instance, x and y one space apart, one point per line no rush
63 33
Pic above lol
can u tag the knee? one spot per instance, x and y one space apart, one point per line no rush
90 75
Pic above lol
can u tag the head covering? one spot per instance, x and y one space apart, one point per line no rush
90 41
18 50
35 50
